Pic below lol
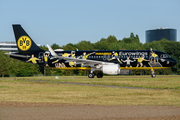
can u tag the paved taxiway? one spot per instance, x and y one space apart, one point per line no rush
42 111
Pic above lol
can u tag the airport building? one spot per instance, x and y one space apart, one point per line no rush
160 33
8 46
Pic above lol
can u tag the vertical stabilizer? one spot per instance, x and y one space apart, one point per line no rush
24 42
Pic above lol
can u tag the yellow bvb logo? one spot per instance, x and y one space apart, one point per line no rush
24 43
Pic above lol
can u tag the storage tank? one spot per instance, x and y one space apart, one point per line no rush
160 33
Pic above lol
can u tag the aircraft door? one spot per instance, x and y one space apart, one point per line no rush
106 57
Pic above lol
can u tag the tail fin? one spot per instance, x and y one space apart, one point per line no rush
24 42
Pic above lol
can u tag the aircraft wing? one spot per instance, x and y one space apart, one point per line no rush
86 62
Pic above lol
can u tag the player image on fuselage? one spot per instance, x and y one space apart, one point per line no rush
128 62
154 56
115 56
140 60
33 59
72 63
46 57
84 56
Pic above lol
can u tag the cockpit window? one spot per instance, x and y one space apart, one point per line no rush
165 56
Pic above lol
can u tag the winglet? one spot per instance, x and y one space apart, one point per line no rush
52 51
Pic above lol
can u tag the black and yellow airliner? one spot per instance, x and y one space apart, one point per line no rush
111 62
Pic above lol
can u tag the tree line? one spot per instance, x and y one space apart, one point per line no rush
12 67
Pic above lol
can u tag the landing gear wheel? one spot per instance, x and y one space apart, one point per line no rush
99 75
153 75
91 75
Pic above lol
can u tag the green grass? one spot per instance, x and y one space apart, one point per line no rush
20 90
161 82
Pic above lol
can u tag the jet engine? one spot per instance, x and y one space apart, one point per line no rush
113 69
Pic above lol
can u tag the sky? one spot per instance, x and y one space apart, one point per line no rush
71 21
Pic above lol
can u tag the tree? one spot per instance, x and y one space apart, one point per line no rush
27 69
173 49
112 39
132 36
84 45
44 47
4 64
101 45
113 46
69 46
137 39
155 45
55 46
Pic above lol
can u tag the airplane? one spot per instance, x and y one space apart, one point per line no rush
98 62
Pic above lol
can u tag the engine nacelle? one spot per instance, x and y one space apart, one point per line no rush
113 69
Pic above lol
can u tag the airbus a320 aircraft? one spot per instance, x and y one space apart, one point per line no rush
111 62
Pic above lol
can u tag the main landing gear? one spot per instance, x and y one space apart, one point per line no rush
99 75
153 73
91 75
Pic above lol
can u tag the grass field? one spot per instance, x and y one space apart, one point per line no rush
162 90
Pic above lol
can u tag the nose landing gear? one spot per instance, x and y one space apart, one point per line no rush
153 73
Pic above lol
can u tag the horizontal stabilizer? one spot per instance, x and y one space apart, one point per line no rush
16 55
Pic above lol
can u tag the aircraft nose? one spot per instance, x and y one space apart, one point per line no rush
174 62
